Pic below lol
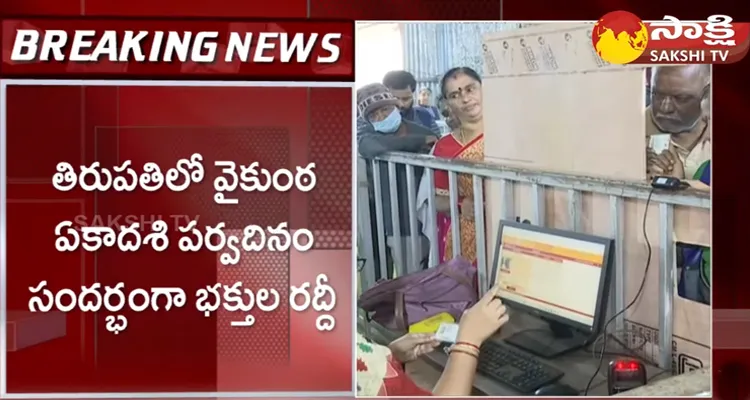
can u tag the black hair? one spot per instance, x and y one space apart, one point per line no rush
400 80
443 107
455 71
426 90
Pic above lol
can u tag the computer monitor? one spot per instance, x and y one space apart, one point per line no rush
559 276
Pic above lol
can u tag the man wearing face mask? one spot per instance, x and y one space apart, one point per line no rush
388 131
402 85
679 109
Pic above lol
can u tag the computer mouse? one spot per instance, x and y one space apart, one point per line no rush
556 389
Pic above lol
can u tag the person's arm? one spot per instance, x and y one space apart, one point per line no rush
698 185
375 144
363 125
458 376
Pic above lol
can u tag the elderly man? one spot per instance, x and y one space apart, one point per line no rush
391 132
677 121
679 113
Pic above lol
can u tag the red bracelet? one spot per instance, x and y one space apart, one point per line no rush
469 345
464 351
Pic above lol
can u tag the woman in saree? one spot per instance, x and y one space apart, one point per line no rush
381 371
462 92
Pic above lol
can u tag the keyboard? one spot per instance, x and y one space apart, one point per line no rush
512 367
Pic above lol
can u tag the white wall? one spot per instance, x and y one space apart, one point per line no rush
379 50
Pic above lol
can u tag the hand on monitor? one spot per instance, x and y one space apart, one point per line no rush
483 319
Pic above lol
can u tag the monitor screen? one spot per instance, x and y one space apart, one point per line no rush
551 273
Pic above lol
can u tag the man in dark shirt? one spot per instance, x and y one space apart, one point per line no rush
389 131
402 86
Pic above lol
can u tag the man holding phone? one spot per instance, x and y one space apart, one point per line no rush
677 121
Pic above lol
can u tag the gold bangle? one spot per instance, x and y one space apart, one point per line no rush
467 347
465 350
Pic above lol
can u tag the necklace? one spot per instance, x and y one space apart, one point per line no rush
463 137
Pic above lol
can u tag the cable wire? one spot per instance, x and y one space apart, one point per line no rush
632 302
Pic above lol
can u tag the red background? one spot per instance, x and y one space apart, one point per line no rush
730 102
340 71
180 350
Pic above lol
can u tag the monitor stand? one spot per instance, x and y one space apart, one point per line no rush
549 343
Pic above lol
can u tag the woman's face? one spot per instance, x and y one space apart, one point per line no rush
464 96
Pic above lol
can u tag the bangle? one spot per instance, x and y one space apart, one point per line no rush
465 348
464 351
472 345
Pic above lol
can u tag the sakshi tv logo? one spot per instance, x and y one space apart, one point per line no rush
621 37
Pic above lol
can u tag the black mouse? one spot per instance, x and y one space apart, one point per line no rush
556 389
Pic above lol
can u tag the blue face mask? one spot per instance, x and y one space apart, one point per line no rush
390 124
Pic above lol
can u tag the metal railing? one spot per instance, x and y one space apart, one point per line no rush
372 242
